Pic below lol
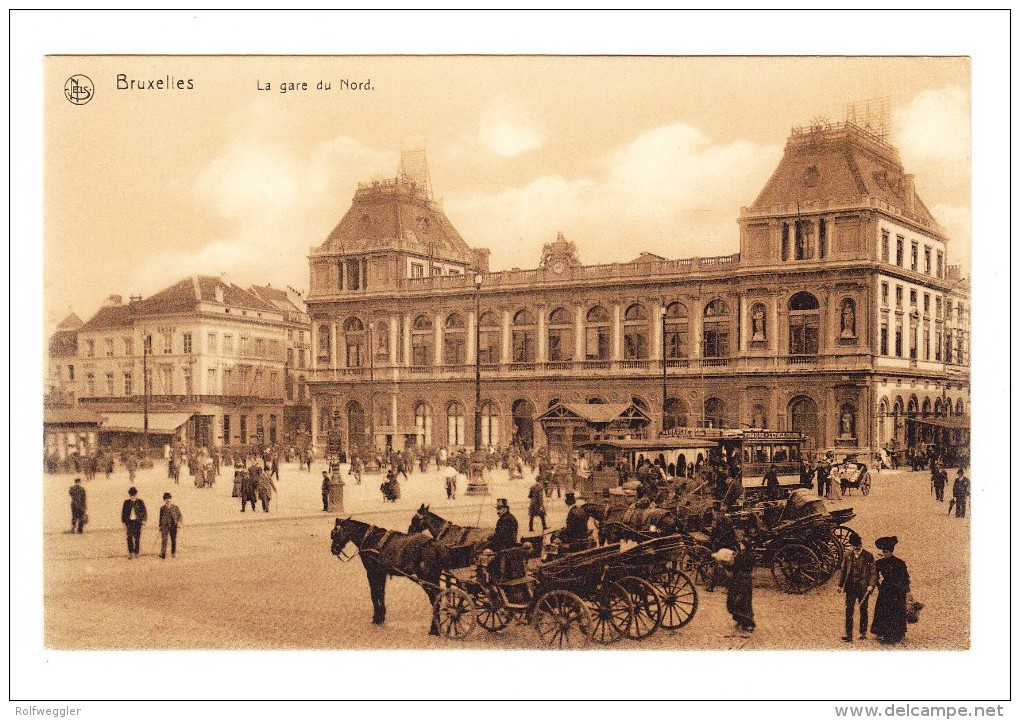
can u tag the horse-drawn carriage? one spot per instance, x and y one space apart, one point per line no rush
851 475
600 595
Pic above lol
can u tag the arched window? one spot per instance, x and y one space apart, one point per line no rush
422 341
847 319
488 339
676 414
381 340
454 340
635 333
715 413
926 407
596 334
523 415
354 342
949 408
804 419
759 323
423 424
938 407
596 400
804 324
357 434
716 329
455 424
848 421
759 417
883 412
912 406
490 424
324 343
959 407
676 331
561 336
523 337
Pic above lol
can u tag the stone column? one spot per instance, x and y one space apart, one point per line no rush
407 339
313 335
506 356
469 357
742 319
315 421
656 349
697 316
437 355
773 323
617 338
393 414
394 331
333 350
542 335
579 333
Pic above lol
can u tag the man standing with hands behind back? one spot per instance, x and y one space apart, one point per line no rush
857 579
133 514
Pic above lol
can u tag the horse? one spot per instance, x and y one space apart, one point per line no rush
388 552
447 535
632 523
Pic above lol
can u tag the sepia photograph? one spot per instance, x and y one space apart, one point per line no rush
569 354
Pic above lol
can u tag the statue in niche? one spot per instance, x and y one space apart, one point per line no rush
848 320
846 423
758 323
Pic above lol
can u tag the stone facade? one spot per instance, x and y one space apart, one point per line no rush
798 331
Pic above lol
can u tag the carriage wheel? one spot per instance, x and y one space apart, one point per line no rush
865 486
493 615
455 614
796 568
647 607
679 599
561 619
830 554
843 534
698 564
611 615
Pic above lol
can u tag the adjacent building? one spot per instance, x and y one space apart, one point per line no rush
839 317
204 361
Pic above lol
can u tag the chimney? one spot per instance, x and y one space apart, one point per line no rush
908 193
136 298
219 293
113 301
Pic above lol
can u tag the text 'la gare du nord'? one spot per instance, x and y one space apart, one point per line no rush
286 87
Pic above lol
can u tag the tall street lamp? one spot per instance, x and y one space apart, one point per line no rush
478 362
662 313
371 385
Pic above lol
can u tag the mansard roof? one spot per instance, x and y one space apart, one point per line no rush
397 214
841 162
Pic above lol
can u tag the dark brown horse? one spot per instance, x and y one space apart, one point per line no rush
388 552
468 541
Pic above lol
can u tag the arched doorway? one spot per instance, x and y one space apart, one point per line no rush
676 414
356 432
804 419
715 413
524 423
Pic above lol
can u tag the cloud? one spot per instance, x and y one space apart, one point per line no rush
508 129
672 190
934 127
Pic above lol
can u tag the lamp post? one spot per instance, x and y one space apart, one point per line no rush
371 386
662 313
478 362
146 348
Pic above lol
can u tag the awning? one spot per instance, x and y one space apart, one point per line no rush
71 416
163 423
958 422
595 413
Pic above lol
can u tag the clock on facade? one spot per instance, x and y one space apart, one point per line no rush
558 267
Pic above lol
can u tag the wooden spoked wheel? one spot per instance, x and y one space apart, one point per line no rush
679 599
795 568
455 614
493 615
561 619
611 615
647 607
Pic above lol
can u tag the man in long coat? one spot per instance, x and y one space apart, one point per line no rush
857 579
78 506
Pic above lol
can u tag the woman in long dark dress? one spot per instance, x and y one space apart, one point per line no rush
890 623
739 592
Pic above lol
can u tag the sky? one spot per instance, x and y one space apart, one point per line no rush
621 154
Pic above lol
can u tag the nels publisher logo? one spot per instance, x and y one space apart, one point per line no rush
79 89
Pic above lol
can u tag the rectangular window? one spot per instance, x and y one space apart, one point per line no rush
228 382
938 342
243 346
596 343
90 348
523 342
913 256
290 357
823 238
885 246
938 307
938 264
226 429
804 240
885 339
228 344
274 379
210 343
260 347
243 428
109 385
913 341
129 346
70 372
301 359
927 260
927 342
90 384
210 386
272 428
187 343
804 334
340 275
899 250
417 270
927 303
128 384
899 296
109 347
168 343
488 347
885 294
913 298
899 340
716 340
786 241
353 275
